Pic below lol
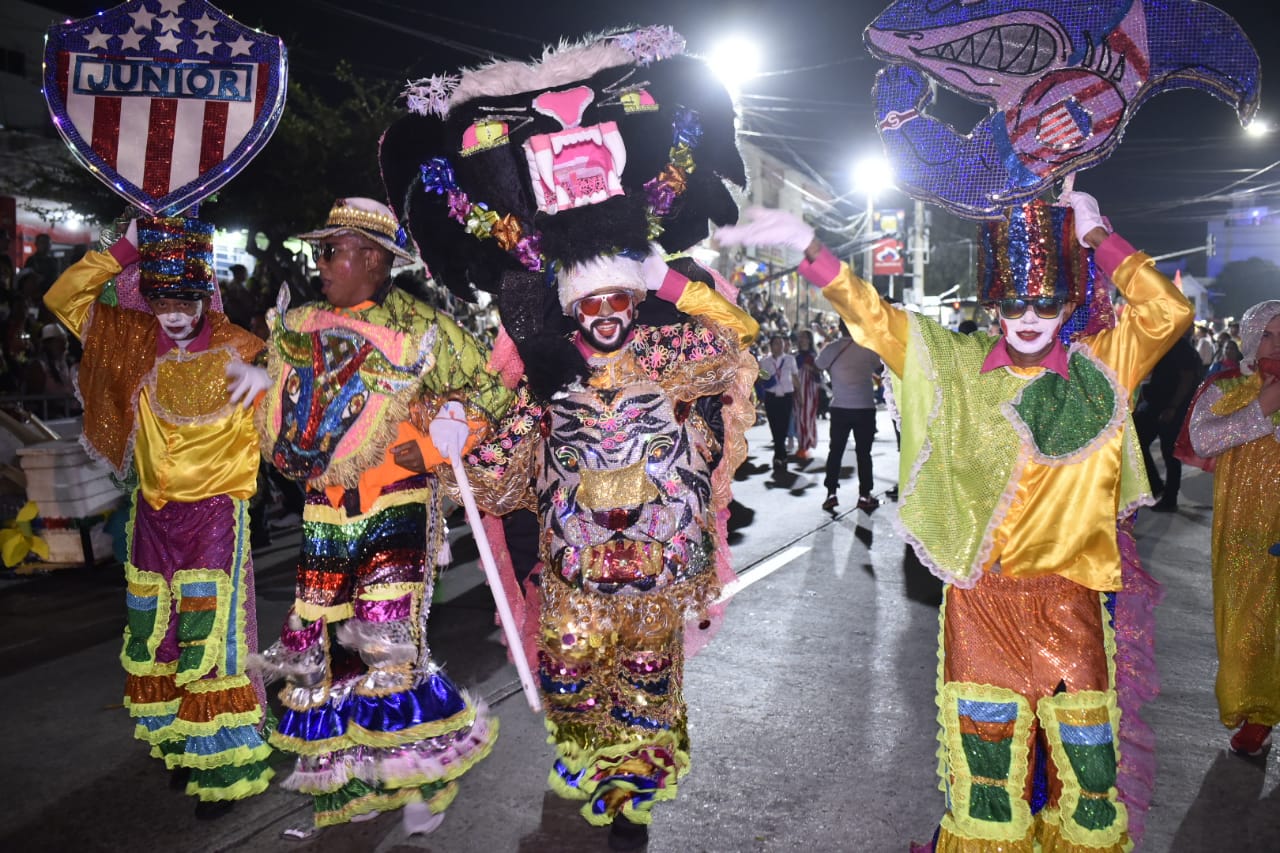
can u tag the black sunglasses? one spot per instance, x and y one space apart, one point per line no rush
327 251
1046 308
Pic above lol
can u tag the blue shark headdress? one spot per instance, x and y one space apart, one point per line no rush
1062 78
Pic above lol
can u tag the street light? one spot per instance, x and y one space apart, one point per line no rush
1257 128
871 175
735 60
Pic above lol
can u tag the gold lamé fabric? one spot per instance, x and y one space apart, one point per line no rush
189 443
1246 582
198 459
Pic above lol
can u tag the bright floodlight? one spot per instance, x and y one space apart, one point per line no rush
872 176
735 61
1257 128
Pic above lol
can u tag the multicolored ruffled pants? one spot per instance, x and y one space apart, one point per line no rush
1029 720
611 669
190 630
374 722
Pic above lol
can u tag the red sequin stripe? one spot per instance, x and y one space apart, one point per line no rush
64 74
159 157
260 96
106 129
1091 91
213 137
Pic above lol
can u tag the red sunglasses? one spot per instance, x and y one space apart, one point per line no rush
618 301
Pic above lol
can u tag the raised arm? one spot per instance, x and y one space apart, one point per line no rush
76 290
875 324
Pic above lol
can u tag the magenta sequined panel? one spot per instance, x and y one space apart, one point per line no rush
394 610
200 535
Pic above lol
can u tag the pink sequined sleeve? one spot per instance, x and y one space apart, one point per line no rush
1213 434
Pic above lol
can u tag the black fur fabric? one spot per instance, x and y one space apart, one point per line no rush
499 176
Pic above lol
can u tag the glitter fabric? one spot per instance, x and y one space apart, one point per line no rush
339 559
186 643
622 469
375 723
1033 253
196 93
1061 79
118 368
177 255
1010 452
1227 423
344 380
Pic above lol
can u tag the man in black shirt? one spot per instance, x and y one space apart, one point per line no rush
1165 398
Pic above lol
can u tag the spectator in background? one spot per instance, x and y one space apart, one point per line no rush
1227 355
51 372
43 262
805 401
238 301
853 409
7 268
778 369
1203 342
1165 398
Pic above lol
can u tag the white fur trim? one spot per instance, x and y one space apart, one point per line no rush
606 272
559 66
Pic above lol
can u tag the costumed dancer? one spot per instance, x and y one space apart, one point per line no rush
355 383
165 386
546 183
1233 429
623 461
1008 433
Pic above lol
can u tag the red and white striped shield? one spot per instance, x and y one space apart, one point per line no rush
164 100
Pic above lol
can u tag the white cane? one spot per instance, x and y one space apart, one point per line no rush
514 641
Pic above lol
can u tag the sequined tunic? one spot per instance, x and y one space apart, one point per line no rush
1011 472
1228 425
169 405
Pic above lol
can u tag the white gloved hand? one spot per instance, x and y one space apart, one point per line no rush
449 430
131 233
767 227
654 269
247 382
1086 212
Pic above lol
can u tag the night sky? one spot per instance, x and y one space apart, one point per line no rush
812 102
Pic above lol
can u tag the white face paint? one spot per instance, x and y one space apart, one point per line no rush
180 325
1030 334
605 319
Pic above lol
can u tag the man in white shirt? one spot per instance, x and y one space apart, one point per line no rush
778 370
852 409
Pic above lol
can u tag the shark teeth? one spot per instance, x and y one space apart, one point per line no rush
1020 49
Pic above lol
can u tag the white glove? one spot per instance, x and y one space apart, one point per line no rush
767 227
654 269
247 381
1087 216
449 430
131 233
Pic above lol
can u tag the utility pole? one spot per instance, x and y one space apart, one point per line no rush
919 242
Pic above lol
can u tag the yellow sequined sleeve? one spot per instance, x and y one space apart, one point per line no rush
700 300
77 289
1154 316
875 324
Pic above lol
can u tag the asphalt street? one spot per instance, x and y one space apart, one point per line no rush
811 712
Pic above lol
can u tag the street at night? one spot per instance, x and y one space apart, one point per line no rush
805 363
811 712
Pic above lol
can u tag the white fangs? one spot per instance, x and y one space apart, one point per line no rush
559 171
